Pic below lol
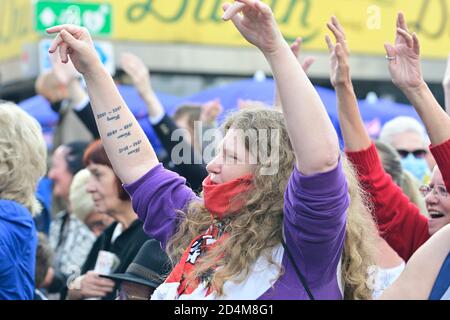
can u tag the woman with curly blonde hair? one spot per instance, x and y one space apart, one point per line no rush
272 219
22 163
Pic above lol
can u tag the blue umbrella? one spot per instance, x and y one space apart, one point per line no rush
40 109
377 112
263 91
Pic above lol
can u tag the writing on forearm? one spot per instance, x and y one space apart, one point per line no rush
132 148
127 133
101 115
124 135
111 133
120 132
116 117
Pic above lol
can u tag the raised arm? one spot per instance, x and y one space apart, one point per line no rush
393 211
140 76
406 74
446 86
353 131
420 273
313 137
128 148
296 49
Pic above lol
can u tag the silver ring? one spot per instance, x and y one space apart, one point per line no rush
390 58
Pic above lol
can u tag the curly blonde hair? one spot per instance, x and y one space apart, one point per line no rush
23 154
258 227
360 239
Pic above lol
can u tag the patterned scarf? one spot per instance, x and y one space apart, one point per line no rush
221 200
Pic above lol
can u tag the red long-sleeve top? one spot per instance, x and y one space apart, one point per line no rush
399 221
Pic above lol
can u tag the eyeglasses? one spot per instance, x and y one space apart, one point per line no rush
438 190
418 153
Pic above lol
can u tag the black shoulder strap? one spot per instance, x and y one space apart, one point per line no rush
297 270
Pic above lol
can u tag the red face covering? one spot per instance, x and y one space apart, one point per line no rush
222 199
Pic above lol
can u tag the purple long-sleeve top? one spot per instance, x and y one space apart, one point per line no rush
314 225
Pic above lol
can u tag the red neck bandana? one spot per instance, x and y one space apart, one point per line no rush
219 202
223 199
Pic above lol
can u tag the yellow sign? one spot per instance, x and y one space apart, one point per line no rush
16 27
368 23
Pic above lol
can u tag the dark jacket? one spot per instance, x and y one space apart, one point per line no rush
125 247
195 170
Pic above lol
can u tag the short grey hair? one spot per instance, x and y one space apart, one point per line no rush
402 124
81 202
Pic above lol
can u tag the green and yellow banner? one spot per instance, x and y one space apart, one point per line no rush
368 23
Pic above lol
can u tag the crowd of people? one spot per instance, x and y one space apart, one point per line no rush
262 206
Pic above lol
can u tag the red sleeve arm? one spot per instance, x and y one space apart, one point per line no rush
441 154
399 221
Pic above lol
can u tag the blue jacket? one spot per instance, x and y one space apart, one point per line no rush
18 241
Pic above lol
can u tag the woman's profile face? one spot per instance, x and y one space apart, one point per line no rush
60 174
233 160
103 187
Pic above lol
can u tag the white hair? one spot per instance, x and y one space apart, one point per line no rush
402 124
23 156
81 202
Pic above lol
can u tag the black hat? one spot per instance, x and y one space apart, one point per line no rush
150 266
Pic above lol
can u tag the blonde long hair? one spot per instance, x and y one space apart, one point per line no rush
360 240
258 227
23 156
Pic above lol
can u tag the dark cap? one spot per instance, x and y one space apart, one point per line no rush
150 266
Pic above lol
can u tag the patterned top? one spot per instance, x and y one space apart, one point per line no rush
71 242
314 229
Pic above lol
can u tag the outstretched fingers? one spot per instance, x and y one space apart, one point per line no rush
416 44
63 52
401 21
231 10
55 43
307 63
406 37
296 46
73 29
329 43
336 29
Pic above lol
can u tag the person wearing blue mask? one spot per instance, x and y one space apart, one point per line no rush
410 140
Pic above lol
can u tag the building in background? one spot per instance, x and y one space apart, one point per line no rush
188 47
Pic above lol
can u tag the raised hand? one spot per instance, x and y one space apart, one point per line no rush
256 24
135 68
339 53
406 74
350 121
296 50
446 86
210 111
64 72
404 57
75 42
446 80
140 76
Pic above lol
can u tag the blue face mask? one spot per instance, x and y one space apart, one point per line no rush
417 166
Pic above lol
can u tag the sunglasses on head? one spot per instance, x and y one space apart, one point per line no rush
418 153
